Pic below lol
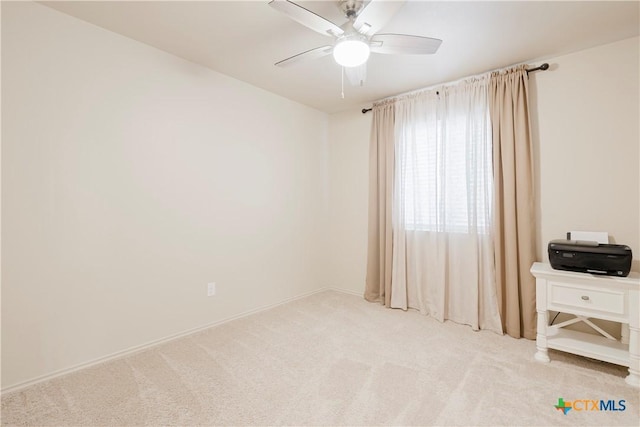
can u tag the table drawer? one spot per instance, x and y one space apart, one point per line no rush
602 301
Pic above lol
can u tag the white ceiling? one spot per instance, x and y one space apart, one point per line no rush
243 39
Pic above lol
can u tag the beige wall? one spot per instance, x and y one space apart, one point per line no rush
348 195
585 122
130 179
585 112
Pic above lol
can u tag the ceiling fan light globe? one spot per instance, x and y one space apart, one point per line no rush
351 53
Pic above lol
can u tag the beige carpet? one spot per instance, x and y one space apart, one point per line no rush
330 359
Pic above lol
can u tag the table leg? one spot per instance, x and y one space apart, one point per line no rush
542 355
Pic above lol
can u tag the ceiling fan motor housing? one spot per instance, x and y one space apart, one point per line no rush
350 8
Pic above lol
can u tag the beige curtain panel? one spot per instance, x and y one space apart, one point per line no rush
442 242
514 216
381 170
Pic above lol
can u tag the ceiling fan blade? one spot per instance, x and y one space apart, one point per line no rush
306 17
376 15
356 75
318 52
404 44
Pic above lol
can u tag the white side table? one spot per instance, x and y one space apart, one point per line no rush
589 296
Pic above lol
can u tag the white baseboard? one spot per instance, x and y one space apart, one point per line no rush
345 291
154 343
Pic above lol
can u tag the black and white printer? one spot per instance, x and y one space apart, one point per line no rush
590 256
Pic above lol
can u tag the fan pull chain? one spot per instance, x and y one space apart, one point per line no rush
342 82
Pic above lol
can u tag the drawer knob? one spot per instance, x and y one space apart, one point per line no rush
585 298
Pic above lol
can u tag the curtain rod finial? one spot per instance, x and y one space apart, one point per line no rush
542 67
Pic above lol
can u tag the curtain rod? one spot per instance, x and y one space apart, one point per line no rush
542 67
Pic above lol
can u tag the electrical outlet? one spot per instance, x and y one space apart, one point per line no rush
211 289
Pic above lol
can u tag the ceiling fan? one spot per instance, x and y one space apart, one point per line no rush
358 37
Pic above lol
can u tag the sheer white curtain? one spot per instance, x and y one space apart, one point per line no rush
443 262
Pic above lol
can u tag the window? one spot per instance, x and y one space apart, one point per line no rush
445 169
